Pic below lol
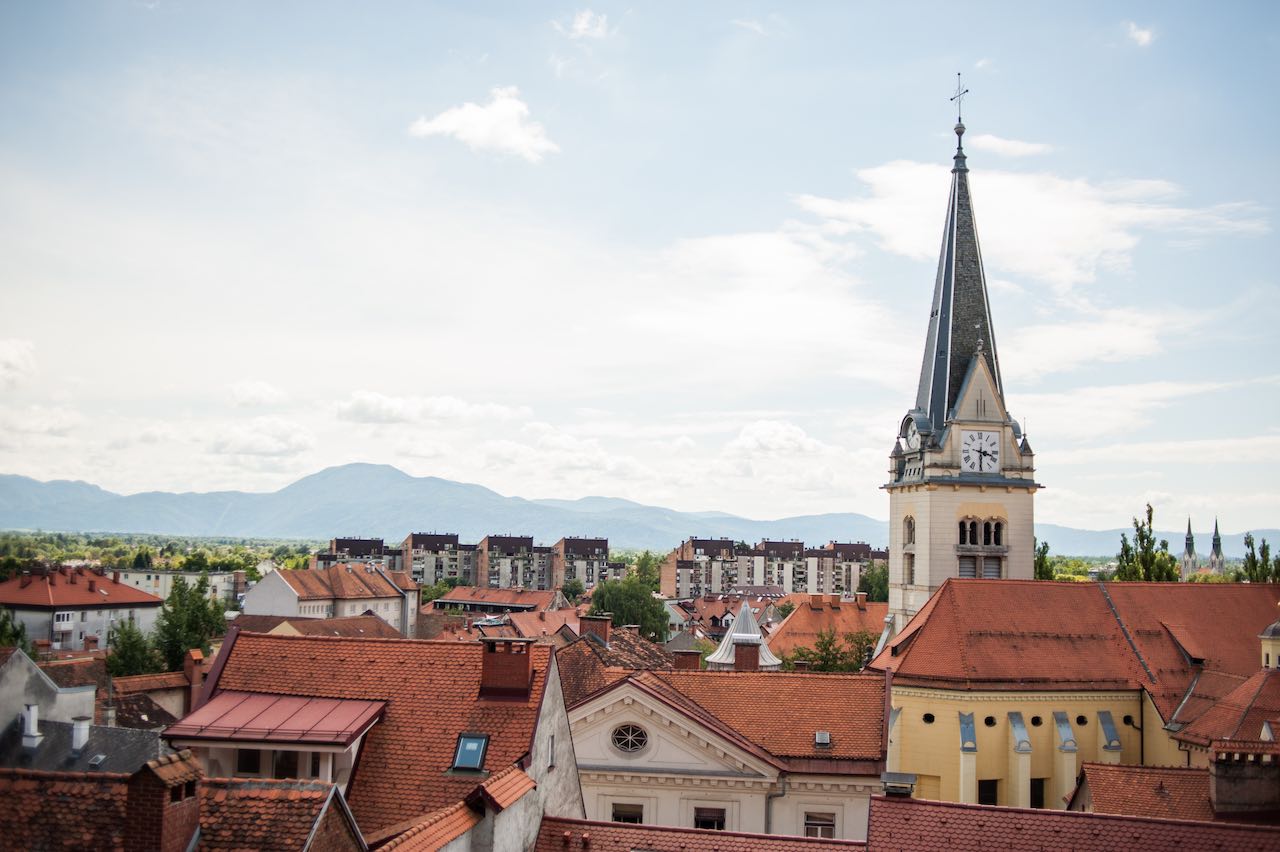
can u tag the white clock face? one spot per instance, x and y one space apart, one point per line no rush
913 436
980 452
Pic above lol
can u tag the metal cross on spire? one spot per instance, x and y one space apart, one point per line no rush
958 97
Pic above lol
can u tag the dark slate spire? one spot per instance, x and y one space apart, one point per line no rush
1217 540
960 323
1191 540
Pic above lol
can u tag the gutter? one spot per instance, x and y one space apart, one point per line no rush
768 805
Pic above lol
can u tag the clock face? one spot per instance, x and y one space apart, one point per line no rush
913 436
980 452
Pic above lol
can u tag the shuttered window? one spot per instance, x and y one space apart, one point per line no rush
968 566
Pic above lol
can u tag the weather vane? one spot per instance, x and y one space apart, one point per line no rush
958 97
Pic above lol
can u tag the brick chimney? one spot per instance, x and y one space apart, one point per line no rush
91 642
746 657
93 586
193 669
115 576
861 599
162 813
596 625
506 667
815 603
835 601
26 579
690 660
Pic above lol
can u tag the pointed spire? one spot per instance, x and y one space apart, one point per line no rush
1217 539
960 327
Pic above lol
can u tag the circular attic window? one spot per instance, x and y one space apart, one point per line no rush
630 738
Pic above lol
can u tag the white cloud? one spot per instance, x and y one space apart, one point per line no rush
262 436
501 126
984 62
55 422
1110 336
17 361
427 449
1139 36
772 439
752 25
253 393
1199 451
585 24
1059 230
373 407
1007 147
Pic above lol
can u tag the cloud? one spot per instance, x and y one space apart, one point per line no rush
1110 336
501 126
427 449
772 439
1059 230
1214 451
1007 147
373 407
752 25
53 422
1139 36
17 361
585 24
984 62
262 436
252 393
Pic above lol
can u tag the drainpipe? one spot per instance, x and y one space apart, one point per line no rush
768 806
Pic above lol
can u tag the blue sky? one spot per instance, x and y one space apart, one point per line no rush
681 253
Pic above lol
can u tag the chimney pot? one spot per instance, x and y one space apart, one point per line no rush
79 733
801 665
596 625
31 735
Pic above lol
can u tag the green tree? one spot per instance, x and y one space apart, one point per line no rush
631 601
1257 566
142 559
131 652
832 653
13 633
10 566
197 560
188 619
572 590
875 582
1044 570
649 569
785 609
1143 559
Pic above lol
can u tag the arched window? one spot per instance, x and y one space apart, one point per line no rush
999 534
909 530
973 532
964 533
986 533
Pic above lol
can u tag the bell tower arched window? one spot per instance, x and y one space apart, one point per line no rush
908 530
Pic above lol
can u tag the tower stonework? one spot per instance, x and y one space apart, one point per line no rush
1217 561
961 473
1190 564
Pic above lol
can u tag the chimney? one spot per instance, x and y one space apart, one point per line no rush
542 615
861 599
835 601
162 811
192 667
26 579
815 603
91 643
596 625
115 576
71 578
31 735
688 661
79 733
746 657
93 586
801 665
506 667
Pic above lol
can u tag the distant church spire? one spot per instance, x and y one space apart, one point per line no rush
960 321
1190 564
1217 562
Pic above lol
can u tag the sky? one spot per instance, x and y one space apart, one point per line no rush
678 253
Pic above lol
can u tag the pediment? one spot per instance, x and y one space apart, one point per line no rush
979 398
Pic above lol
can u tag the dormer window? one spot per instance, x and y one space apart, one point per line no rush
470 752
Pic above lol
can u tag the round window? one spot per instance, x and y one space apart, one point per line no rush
630 738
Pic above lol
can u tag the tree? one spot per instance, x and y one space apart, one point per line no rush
1044 570
631 601
188 619
875 582
142 559
572 590
832 653
785 609
1257 567
649 569
131 652
1144 560
13 633
10 566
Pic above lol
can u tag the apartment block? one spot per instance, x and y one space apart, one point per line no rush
713 566
432 557
585 559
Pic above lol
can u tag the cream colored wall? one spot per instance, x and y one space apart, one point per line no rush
850 802
934 749
1159 748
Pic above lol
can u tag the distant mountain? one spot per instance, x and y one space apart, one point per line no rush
379 500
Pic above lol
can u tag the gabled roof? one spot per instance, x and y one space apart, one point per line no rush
744 630
354 626
1029 634
530 599
534 625
800 629
916 825
125 749
559 834
1240 714
586 664
1166 792
344 581
433 831
431 690
57 590
243 813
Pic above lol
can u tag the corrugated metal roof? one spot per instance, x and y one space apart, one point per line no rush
262 717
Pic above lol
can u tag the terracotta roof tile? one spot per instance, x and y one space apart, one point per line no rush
432 695
908 825
435 830
149 682
800 629
586 664
56 590
176 768
1166 792
535 625
87 811
532 599
344 581
504 789
242 813
577 835
369 626
1240 714
262 623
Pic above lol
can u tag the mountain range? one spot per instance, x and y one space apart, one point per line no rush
380 500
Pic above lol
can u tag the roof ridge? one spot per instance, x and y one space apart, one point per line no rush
824 843
1262 682
1041 812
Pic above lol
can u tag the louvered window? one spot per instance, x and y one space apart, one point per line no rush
968 566
990 568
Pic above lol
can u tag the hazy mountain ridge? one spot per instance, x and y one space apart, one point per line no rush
380 500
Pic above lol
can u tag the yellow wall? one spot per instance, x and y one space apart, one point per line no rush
1159 748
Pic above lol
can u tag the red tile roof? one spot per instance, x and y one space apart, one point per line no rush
267 718
90 811
1240 714
344 581
56 591
432 695
243 813
559 834
149 683
908 825
800 629
586 664
533 599
370 626
1167 792
435 830
1027 634
505 788
536 625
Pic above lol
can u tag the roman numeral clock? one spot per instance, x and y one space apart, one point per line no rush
979 451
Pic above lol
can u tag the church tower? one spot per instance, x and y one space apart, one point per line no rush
1190 564
961 473
1217 562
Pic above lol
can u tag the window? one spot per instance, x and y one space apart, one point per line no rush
819 825
999 534
909 530
470 753
633 814
712 818
1037 792
909 569
991 567
630 738
315 764
63 618
551 753
175 793
285 765
968 566
248 761
986 534
84 615
989 792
